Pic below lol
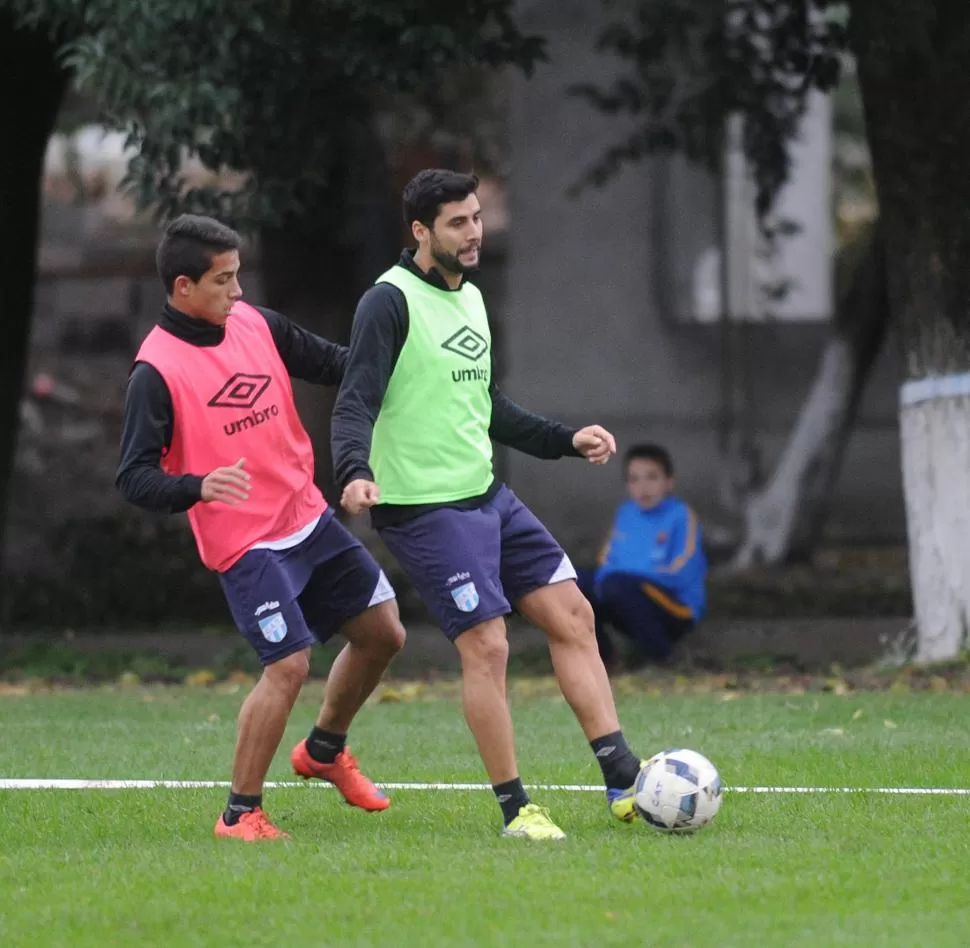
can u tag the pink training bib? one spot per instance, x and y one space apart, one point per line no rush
232 401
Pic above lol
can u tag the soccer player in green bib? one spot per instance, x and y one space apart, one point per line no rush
412 441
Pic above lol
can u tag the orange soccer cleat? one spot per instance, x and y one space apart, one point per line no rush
250 827
344 774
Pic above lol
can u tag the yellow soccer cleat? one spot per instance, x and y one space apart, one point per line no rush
533 822
621 802
622 805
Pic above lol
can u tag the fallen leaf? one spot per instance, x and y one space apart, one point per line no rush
412 690
13 691
890 724
834 731
857 714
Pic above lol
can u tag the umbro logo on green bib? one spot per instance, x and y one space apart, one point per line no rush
466 343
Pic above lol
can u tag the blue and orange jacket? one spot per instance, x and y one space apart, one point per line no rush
661 545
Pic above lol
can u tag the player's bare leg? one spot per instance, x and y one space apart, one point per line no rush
566 618
373 639
484 653
262 720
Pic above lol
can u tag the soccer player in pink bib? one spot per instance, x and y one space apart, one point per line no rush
211 429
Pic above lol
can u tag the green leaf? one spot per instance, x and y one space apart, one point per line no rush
271 87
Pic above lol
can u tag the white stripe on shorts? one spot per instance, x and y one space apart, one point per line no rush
382 592
563 572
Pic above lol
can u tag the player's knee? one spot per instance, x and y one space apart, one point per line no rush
581 616
574 622
290 674
391 636
378 631
484 647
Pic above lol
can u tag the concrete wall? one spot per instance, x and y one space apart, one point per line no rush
589 330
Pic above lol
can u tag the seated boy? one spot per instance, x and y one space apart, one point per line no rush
650 582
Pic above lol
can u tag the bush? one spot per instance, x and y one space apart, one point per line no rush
123 571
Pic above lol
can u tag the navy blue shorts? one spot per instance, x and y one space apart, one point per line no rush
470 565
283 600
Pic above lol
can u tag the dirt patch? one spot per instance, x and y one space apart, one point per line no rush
737 648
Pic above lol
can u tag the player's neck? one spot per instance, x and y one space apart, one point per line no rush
426 263
186 314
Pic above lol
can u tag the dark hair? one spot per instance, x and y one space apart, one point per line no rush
429 189
188 246
650 452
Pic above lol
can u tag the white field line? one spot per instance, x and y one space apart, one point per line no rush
18 783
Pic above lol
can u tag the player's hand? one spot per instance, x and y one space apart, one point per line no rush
230 485
359 495
595 444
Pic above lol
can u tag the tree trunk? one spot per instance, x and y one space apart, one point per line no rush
913 74
35 86
308 280
784 521
936 461
315 268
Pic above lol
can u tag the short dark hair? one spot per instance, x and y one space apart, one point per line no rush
188 246
650 452
429 189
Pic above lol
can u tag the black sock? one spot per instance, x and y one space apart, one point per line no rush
511 798
619 764
323 746
238 804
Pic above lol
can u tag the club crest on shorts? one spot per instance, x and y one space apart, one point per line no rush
466 597
273 627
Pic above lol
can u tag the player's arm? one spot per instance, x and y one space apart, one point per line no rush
145 436
532 434
305 355
377 336
515 427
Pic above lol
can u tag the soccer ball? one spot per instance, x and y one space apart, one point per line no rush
678 791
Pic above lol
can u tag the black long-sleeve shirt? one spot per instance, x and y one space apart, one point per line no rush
379 332
149 416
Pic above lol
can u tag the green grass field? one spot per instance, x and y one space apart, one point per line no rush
139 867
